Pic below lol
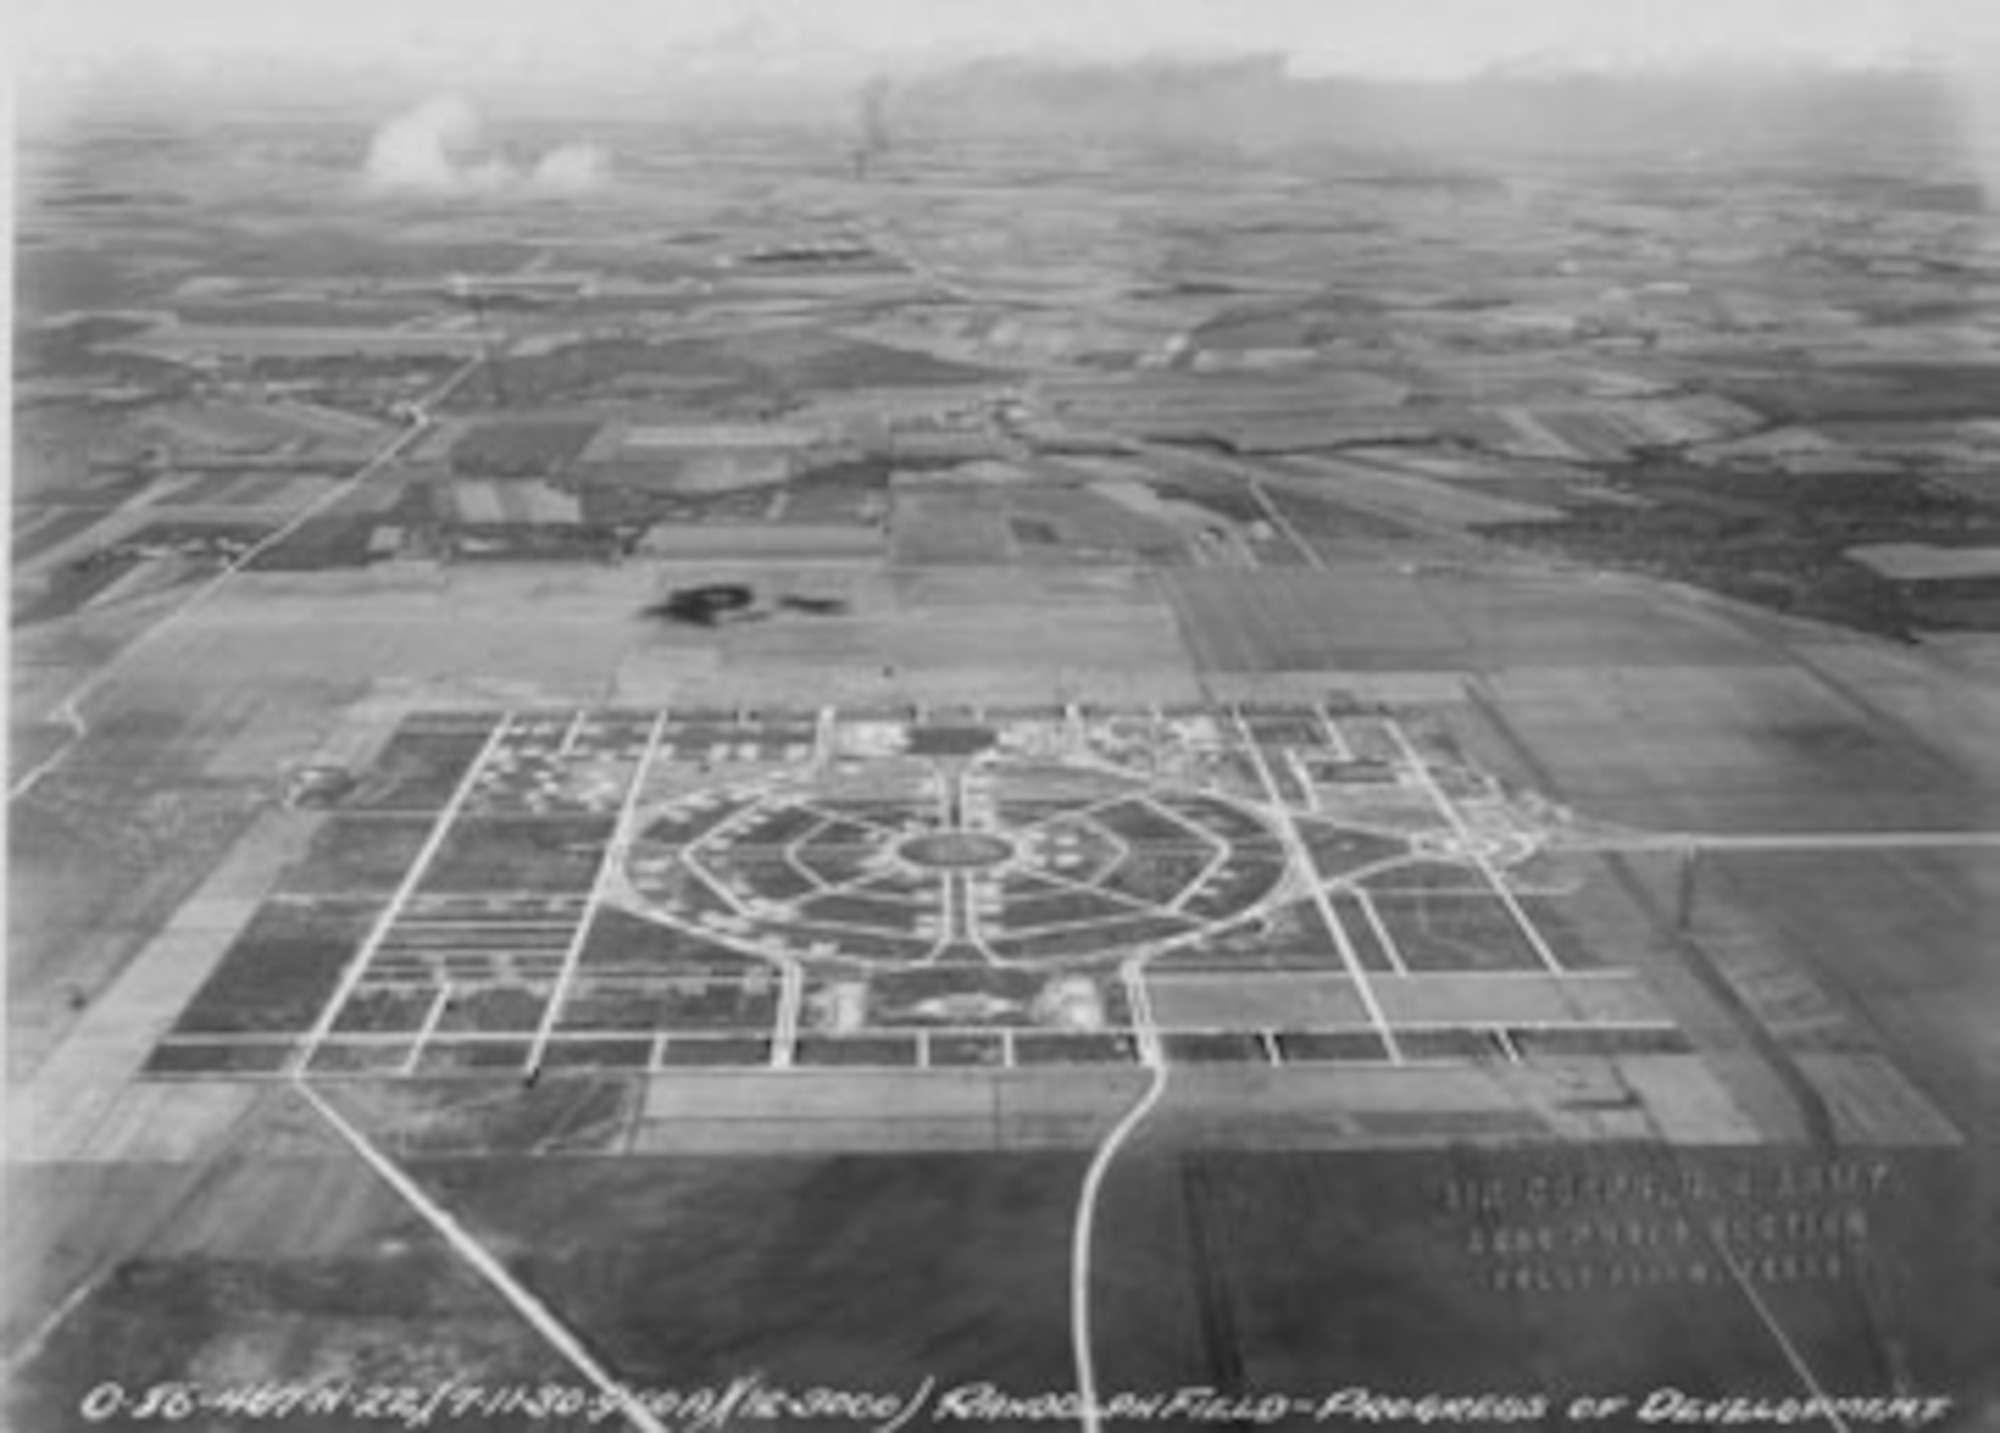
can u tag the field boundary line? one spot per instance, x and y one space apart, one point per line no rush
1421 769
616 845
538 1314
230 569
1390 949
419 866
1302 860
1778 842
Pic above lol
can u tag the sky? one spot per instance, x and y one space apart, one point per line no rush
576 55
503 40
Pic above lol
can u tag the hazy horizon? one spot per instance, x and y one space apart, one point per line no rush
498 42
372 61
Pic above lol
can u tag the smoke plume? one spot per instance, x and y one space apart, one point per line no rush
440 148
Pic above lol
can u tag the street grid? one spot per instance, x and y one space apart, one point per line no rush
686 890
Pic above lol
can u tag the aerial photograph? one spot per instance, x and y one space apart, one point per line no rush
733 716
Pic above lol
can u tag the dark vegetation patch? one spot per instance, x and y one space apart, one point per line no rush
1776 540
716 603
417 771
280 972
62 345
234 1057
519 854
1907 391
705 606
341 539
527 447
352 855
49 280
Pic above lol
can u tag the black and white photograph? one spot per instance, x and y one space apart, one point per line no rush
1002 716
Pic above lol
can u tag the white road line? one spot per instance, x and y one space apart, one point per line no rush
1542 977
1303 862
1305 782
791 1004
1081 1240
1374 917
69 714
1139 996
31 1346
1215 863
412 878
36 520
1249 477
1779 841
823 737
70 710
1464 832
229 1149
1800 1368
1583 1022
1135 904
1280 521
609 863
571 732
1336 738
538 1314
430 1024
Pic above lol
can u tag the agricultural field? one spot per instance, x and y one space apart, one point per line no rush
882 750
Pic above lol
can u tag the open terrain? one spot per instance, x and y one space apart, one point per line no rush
1282 772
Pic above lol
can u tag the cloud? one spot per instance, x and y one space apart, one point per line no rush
571 168
426 148
439 148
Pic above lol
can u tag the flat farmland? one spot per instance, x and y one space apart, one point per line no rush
144 808
961 523
1957 719
1515 619
1901 941
1067 1108
525 855
884 1269
939 635
1289 936
559 632
1453 932
1293 620
418 771
1516 998
1255 1002
357 855
521 445
1021 642
1744 748
279 973
388 1300
1261 1268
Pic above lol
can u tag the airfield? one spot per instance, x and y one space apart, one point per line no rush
643 963
924 779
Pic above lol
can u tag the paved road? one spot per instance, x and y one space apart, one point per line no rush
69 711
